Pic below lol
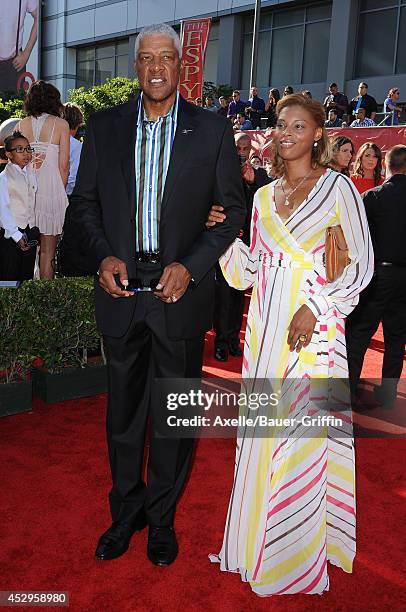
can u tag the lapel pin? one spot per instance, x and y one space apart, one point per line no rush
186 131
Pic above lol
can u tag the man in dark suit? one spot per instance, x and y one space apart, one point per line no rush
149 172
385 297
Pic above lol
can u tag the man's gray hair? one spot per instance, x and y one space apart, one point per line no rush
162 29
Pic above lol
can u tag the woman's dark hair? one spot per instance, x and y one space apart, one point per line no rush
8 142
336 143
42 97
358 169
275 95
321 154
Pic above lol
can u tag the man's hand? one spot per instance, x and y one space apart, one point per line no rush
248 173
20 61
108 268
23 245
215 215
302 324
173 283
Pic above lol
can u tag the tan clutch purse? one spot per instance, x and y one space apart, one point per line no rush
336 253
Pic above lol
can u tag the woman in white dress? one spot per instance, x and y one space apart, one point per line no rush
48 135
292 505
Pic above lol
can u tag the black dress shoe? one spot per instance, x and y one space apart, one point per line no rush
235 350
221 353
115 541
162 545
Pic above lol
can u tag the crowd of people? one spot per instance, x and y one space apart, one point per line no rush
168 257
360 111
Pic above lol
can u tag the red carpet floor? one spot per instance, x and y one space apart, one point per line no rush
54 476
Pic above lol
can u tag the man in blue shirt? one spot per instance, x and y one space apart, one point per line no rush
242 123
255 109
333 121
236 105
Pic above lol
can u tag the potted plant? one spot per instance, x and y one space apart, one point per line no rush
15 354
65 333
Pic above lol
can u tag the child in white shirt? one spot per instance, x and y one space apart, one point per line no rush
17 201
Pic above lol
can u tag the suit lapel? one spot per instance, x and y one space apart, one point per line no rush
184 139
126 129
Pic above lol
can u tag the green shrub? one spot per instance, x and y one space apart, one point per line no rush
53 320
11 105
113 92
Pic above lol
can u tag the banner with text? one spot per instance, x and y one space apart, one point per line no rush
195 34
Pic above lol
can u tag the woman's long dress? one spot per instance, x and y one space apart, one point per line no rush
292 505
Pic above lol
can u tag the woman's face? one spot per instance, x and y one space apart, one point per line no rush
369 160
295 133
344 155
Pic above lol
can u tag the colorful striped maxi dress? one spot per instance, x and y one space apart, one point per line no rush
292 505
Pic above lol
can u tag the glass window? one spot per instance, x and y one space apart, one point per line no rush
122 47
288 18
249 24
96 64
246 62
316 52
286 57
372 58
104 70
85 54
121 65
401 56
367 5
322 11
105 51
264 51
266 21
210 64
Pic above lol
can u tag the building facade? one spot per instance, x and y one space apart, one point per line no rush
305 44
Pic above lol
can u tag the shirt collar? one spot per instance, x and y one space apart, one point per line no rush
172 113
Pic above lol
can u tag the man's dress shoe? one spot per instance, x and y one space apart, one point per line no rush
235 350
162 545
115 541
221 353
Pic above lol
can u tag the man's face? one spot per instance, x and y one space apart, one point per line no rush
333 90
158 67
243 146
332 116
209 101
362 89
254 92
235 97
240 118
360 114
223 102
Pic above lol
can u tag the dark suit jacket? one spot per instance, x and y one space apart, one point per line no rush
385 207
203 170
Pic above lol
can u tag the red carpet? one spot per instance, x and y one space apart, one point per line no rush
54 507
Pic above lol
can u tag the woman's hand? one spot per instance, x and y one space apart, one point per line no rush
302 324
215 215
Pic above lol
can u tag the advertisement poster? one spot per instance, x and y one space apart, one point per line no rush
19 44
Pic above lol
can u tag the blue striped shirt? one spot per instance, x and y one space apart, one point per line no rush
154 140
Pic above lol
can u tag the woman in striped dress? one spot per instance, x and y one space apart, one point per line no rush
292 505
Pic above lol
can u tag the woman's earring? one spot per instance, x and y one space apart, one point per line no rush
316 144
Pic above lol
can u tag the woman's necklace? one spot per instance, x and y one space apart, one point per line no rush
287 196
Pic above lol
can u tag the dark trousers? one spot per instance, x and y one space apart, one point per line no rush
9 75
383 300
15 264
228 312
134 362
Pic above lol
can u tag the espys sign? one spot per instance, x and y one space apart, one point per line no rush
195 34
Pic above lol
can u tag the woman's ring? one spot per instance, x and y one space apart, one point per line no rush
174 298
303 337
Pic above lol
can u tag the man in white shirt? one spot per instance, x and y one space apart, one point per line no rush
13 58
362 120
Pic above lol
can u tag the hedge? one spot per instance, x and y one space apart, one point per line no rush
48 319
